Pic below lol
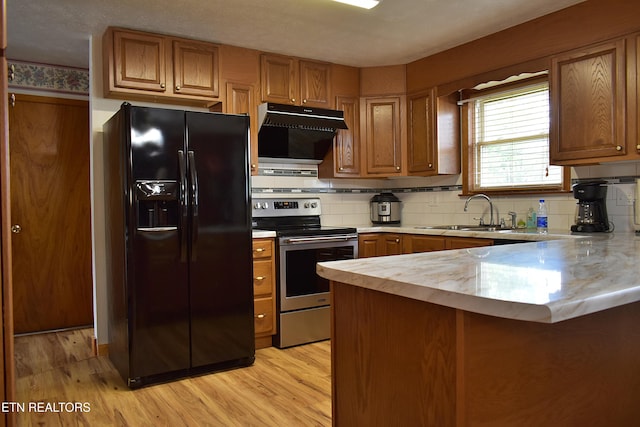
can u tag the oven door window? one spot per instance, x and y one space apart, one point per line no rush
301 269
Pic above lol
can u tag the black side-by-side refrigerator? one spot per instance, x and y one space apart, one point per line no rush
179 256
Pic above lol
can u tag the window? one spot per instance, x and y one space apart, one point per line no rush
507 140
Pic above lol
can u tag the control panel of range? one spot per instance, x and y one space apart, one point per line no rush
285 207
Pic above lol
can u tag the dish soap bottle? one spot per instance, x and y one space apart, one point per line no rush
531 218
541 220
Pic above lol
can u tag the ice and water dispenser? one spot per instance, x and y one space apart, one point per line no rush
157 204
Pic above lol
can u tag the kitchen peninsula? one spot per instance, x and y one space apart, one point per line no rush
540 333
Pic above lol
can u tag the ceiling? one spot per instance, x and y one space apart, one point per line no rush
395 32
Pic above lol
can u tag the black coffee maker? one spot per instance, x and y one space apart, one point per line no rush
592 207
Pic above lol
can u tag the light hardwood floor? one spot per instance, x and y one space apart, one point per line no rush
290 387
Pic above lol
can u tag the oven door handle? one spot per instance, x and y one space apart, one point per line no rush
299 240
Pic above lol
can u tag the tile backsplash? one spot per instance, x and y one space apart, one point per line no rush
437 200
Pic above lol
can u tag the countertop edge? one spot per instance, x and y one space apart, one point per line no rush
491 307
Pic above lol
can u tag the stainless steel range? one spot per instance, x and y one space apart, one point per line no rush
303 300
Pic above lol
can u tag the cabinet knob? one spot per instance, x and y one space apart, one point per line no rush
638 147
178 87
16 228
259 278
261 316
397 168
304 101
618 148
340 168
293 100
430 165
397 240
259 250
162 85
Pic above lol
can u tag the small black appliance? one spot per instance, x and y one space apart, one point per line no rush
592 208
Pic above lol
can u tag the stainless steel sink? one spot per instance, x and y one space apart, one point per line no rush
460 227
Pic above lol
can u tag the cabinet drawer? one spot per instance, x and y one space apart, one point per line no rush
262 278
262 249
264 316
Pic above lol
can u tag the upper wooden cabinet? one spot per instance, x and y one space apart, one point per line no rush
287 80
633 93
153 67
383 135
195 68
588 104
433 137
344 160
241 99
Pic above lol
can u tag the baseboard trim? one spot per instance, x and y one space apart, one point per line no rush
99 349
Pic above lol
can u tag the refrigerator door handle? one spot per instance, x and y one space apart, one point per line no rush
184 208
194 203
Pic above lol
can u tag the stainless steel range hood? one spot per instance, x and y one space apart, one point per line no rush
290 133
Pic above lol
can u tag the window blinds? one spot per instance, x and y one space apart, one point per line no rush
511 139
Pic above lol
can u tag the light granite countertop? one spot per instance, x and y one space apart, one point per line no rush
555 277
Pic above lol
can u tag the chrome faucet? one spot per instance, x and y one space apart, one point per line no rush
484 196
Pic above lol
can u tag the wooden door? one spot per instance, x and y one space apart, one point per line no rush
278 79
195 68
383 136
50 203
315 84
588 104
139 61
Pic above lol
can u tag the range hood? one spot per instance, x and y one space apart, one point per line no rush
290 133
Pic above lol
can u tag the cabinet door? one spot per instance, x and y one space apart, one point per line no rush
368 245
241 99
414 243
467 242
421 147
315 84
278 79
346 150
633 91
391 244
588 105
139 61
382 136
195 68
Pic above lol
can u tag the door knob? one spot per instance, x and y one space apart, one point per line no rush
15 228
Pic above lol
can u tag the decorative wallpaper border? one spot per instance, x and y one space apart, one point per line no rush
50 78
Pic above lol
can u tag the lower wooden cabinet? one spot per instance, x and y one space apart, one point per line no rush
381 244
467 242
264 303
414 243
